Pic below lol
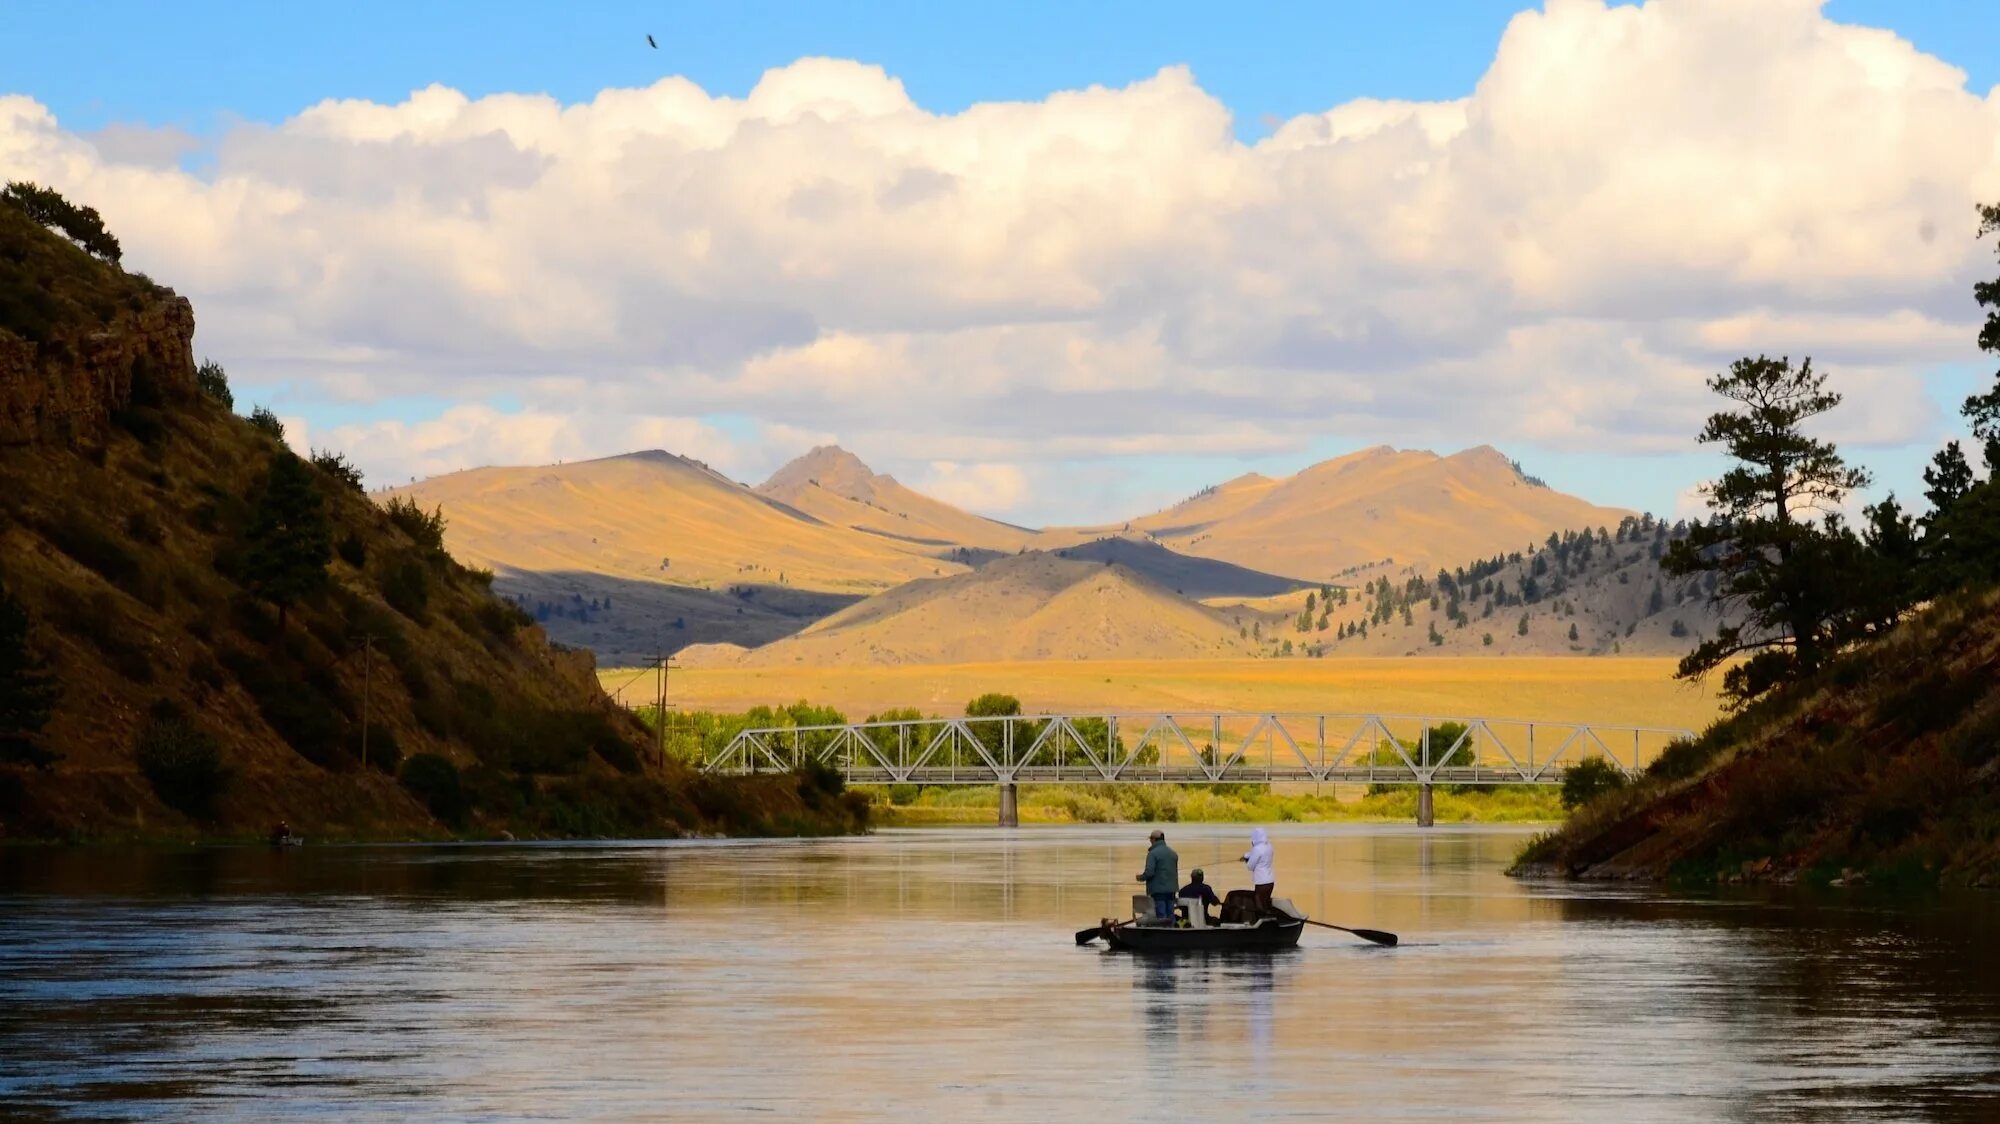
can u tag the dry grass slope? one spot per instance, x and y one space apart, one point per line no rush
1412 506
1025 607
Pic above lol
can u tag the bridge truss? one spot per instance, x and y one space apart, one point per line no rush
1161 747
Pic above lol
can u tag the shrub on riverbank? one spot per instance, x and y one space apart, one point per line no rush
1152 803
182 762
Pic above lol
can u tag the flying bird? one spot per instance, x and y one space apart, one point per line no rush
650 43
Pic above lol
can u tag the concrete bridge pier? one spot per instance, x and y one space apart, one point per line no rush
1425 816
1010 811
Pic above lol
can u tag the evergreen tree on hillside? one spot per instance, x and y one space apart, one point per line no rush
290 542
1963 541
1947 479
1781 573
82 225
1983 410
1889 572
28 690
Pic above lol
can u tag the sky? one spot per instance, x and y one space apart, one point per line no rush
1057 263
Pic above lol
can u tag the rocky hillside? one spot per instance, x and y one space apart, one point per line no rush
1885 767
202 634
1031 606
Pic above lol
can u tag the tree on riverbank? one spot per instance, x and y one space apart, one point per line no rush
1782 571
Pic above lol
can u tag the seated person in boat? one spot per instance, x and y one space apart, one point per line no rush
1161 876
1199 889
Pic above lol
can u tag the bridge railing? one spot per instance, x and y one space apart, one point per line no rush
1137 747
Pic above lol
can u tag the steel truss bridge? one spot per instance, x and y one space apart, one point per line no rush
1205 747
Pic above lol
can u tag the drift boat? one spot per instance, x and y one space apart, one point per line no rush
1190 931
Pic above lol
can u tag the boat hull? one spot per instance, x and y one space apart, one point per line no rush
1160 938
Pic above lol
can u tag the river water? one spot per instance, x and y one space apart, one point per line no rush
933 975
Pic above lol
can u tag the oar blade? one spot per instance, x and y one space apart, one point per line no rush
1376 935
1085 936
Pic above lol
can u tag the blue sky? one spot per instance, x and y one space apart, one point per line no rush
211 69
198 63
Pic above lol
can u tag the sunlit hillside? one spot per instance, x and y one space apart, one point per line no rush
834 486
1026 607
1410 507
651 552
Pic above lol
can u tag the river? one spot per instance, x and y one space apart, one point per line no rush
933 975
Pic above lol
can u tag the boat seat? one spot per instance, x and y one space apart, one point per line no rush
1239 907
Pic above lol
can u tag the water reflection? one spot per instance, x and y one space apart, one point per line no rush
932 974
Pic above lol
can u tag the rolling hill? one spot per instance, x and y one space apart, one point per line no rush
1406 507
834 486
648 552
1023 607
654 516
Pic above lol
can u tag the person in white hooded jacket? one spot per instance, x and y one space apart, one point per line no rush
1259 860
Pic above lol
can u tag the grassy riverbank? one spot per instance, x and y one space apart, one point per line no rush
899 806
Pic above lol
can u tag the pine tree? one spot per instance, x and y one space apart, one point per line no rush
1782 575
28 690
289 540
1947 479
1983 410
1962 543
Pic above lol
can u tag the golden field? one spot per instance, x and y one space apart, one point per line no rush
1611 690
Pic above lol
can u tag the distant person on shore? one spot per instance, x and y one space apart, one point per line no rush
1162 875
1258 858
1199 889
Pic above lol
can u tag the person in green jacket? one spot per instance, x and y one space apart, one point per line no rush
1162 876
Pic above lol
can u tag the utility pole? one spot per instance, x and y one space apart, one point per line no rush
661 664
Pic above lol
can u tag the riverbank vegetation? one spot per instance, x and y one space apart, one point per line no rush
907 806
1863 667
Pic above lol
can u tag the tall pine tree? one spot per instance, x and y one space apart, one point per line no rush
1963 544
28 690
1781 571
290 543
1983 410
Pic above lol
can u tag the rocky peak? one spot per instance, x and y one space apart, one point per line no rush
827 466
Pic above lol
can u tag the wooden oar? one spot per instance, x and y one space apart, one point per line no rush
1376 935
